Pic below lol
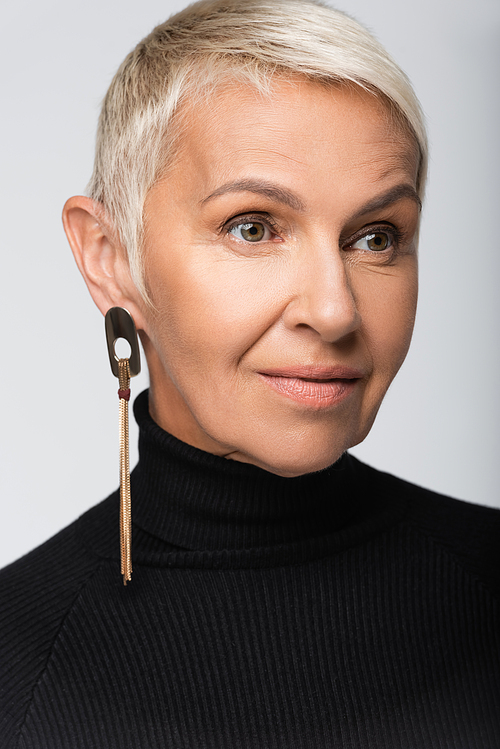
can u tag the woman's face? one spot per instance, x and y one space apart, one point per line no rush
280 253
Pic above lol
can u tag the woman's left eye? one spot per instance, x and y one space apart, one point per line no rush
376 241
251 231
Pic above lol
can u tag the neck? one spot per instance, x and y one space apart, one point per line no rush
199 501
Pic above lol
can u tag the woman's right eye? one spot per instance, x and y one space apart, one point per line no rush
251 231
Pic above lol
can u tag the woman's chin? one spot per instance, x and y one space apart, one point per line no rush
292 462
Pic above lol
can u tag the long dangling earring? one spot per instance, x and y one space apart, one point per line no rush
119 324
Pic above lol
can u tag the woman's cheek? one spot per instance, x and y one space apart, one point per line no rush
387 306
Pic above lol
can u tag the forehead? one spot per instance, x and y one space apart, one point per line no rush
300 132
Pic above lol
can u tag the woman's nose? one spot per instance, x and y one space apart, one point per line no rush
323 300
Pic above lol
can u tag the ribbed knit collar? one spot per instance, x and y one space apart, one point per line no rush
194 500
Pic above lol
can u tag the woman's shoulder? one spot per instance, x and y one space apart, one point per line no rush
469 531
36 593
58 564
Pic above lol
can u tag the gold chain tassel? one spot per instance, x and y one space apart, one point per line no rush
125 503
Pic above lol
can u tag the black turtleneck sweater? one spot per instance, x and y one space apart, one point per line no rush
344 608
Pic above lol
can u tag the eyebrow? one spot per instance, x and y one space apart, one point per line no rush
399 192
282 195
259 187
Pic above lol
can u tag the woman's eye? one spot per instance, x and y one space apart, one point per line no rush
251 231
377 241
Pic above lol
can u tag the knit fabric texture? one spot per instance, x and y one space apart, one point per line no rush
345 608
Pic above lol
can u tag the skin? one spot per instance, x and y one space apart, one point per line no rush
304 167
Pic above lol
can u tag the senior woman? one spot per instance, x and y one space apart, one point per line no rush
255 207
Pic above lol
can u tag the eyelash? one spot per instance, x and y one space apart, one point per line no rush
266 220
396 235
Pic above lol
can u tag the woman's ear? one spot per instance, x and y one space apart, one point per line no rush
100 257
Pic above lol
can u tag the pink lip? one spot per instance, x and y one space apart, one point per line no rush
314 386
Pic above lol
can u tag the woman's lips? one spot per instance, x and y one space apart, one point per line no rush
318 387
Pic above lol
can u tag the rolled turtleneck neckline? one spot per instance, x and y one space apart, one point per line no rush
193 500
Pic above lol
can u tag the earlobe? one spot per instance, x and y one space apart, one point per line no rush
99 256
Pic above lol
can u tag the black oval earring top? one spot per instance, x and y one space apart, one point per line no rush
119 323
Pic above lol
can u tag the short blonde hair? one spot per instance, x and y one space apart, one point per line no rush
204 45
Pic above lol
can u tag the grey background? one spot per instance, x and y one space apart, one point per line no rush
58 436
